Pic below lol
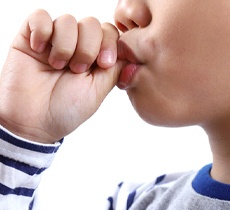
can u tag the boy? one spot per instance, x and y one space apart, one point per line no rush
172 61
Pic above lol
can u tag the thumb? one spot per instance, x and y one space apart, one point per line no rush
106 79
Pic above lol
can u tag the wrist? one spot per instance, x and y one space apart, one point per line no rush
21 124
25 132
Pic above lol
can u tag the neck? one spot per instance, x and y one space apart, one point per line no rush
221 159
219 138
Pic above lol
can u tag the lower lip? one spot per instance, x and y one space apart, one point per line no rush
126 76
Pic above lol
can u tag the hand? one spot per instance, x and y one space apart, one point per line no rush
56 75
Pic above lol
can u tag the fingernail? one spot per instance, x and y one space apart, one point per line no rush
41 47
106 56
59 64
79 67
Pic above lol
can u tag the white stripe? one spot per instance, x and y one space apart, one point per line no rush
14 202
125 190
13 178
37 159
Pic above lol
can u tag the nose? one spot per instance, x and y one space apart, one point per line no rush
130 14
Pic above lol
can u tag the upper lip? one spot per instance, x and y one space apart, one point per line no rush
124 52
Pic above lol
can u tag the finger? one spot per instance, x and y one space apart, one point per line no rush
88 44
63 41
108 52
105 80
40 24
37 28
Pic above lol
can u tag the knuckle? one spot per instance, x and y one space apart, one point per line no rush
90 23
39 12
46 30
108 26
110 31
87 56
64 53
68 18
90 19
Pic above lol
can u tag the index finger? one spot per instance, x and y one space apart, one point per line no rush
108 52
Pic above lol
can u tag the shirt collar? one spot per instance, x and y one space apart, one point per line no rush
205 185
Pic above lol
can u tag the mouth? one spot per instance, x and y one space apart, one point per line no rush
129 71
124 52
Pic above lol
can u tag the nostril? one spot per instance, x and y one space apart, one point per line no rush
121 27
130 25
135 25
129 15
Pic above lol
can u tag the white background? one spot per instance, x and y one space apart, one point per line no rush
113 145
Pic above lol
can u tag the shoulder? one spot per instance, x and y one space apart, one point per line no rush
129 193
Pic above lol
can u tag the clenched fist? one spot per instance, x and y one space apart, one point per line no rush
56 75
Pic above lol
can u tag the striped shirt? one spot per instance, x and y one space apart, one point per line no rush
195 190
22 163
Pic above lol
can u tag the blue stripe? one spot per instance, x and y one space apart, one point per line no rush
110 199
160 179
31 205
131 199
4 190
26 145
120 184
30 170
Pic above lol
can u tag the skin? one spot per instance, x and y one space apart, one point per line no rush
182 48
41 97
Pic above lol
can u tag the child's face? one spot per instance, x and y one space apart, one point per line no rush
183 51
